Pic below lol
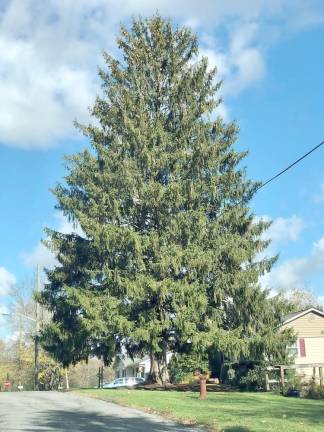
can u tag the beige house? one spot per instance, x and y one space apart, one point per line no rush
309 347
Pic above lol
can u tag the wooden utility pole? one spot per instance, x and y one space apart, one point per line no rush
99 378
36 365
102 376
19 351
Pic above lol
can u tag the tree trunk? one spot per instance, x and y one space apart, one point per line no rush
154 376
159 373
163 367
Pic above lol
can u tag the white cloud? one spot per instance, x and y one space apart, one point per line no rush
67 227
41 255
284 230
49 51
221 111
296 273
319 197
44 83
246 64
239 63
7 280
281 232
11 337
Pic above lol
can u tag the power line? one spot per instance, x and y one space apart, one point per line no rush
281 172
290 166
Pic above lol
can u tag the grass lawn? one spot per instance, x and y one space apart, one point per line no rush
229 412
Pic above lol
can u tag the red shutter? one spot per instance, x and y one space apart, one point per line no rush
302 349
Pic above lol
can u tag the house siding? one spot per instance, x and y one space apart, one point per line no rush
314 348
310 329
309 325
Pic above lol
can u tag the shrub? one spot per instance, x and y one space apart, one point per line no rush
294 381
314 391
50 373
183 366
254 379
246 375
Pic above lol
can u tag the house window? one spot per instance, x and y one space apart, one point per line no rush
297 349
124 373
292 350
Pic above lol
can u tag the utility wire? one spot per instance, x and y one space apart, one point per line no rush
290 166
281 172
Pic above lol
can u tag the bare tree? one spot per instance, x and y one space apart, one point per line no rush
302 299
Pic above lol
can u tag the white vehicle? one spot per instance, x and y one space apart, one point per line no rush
124 382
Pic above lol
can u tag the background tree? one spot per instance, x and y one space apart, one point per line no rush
50 373
22 304
168 257
85 374
17 362
19 349
302 299
8 363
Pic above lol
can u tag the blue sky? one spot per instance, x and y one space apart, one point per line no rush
271 57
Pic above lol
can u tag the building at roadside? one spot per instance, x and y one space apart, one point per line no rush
308 350
124 366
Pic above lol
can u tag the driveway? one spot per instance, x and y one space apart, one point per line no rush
53 411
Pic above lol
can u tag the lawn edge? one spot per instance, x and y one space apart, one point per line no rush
163 414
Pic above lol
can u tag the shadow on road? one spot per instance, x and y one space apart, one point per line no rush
62 421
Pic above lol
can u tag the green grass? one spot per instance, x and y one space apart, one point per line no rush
229 412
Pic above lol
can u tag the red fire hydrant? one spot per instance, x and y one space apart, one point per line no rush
202 384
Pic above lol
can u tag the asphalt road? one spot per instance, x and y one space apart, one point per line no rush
53 411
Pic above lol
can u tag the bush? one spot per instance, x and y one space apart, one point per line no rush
182 367
314 391
294 381
246 375
254 379
50 373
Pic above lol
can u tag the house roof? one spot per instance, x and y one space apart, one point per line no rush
127 361
299 314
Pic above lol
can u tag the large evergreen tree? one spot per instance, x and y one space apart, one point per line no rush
168 257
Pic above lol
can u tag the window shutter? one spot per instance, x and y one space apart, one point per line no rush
302 349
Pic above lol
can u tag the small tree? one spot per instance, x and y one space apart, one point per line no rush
50 373
85 374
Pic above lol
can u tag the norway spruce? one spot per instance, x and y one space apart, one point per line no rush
167 261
